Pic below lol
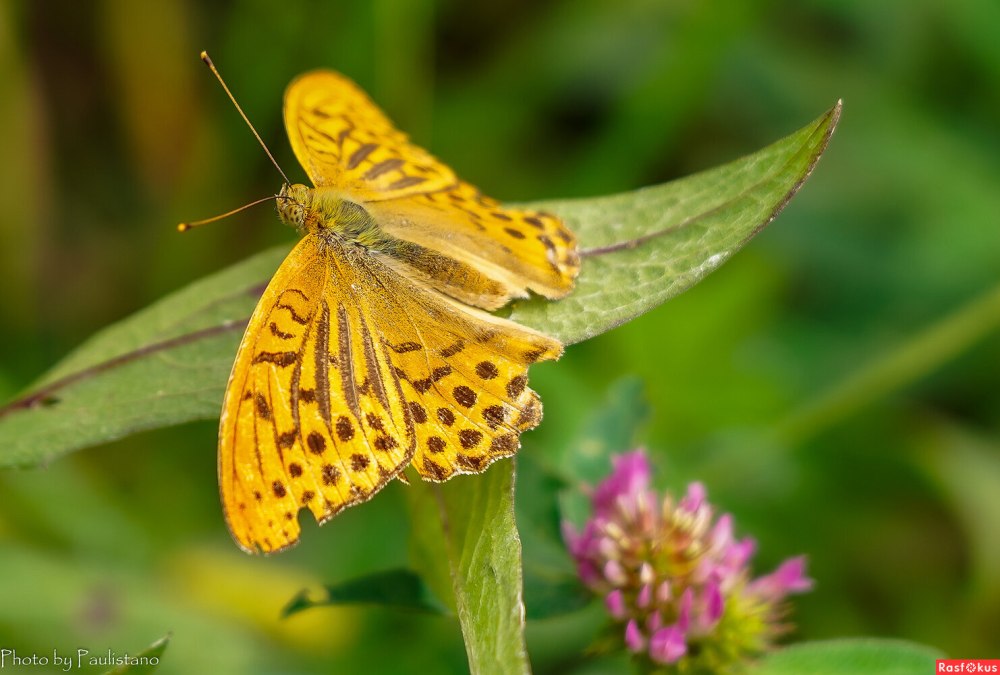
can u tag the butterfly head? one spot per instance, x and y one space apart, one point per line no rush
295 204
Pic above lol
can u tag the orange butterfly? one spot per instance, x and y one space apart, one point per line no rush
367 352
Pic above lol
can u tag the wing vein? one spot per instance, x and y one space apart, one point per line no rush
346 361
321 361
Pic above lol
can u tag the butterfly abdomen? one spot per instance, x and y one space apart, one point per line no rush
452 276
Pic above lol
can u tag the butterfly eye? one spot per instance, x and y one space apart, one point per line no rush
292 213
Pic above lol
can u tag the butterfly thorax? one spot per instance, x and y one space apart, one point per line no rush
327 212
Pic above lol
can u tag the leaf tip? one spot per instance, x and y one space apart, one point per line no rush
835 113
296 604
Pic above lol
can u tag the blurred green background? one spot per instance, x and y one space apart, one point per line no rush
835 385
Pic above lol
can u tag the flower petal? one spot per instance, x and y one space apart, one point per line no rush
667 645
790 577
633 637
645 596
712 604
684 611
694 498
615 573
615 602
588 573
630 477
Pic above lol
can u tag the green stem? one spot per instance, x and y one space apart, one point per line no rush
917 357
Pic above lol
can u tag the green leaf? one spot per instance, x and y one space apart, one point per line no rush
548 597
548 493
164 365
145 661
466 547
399 589
611 429
644 247
169 363
585 459
847 657
551 585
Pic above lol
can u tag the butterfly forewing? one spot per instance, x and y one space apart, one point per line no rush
343 140
313 415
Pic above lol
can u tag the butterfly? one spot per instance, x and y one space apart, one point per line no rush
372 347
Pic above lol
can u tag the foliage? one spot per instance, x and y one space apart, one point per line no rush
833 384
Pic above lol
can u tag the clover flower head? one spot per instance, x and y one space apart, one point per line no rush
675 576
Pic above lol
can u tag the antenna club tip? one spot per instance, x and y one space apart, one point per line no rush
183 227
206 58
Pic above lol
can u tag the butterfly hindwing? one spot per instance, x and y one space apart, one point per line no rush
525 250
463 373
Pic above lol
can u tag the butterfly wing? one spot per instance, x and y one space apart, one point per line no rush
464 374
523 249
347 371
343 140
313 415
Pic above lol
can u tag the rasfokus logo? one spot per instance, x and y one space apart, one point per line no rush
967 666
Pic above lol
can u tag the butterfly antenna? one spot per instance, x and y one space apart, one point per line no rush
184 227
208 62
